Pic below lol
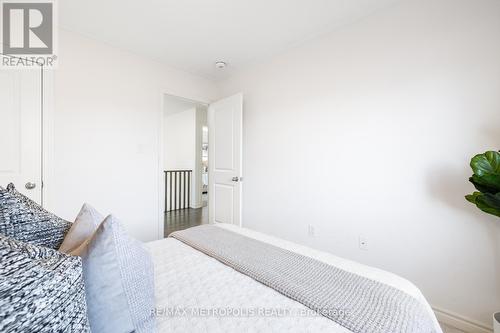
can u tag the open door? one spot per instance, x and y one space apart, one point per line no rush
20 134
225 162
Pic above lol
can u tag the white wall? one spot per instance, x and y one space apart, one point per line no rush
368 131
180 140
107 121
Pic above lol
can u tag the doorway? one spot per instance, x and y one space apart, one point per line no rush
185 163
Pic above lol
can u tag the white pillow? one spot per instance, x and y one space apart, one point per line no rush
82 229
119 281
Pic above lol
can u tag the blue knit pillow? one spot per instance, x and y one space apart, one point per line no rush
41 290
25 220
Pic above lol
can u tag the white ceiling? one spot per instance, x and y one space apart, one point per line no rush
192 34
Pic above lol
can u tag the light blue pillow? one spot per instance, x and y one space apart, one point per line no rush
119 281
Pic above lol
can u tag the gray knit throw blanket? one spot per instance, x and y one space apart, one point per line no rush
357 303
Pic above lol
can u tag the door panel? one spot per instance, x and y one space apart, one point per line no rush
10 123
225 131
224 196
224 122
20 133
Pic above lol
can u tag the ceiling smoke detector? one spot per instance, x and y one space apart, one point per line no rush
220 64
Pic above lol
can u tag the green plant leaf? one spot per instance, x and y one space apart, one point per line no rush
487 183
486 180
473 197
489 203
487 163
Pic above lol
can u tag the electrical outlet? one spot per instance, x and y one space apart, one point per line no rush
310 230
363 243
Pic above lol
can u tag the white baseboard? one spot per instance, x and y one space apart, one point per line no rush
196 205
460 322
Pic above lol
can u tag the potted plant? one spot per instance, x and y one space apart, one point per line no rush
496 322
486 180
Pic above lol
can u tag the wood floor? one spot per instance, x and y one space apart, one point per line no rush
185 218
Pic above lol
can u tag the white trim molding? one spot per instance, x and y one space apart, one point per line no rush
460 322
48 139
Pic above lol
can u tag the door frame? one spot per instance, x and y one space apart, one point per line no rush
160 173
48 143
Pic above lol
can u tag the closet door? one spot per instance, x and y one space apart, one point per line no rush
20 131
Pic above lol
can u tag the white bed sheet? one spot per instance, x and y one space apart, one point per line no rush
196 293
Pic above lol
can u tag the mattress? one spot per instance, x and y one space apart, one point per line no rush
196 293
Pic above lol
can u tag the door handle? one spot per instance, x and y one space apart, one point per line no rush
235 179
30 185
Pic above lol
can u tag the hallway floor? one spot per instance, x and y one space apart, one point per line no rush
185 218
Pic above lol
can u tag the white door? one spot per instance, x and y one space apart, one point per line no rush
225 160
20 131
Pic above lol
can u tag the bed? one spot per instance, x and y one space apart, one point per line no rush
196 292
